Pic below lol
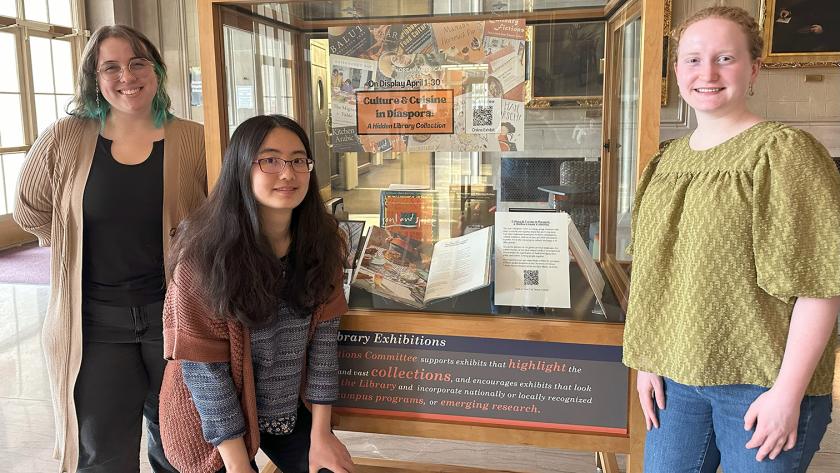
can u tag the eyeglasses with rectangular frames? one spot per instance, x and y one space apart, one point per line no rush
276 165
139 67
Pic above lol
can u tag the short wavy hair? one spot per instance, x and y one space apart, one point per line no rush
85 104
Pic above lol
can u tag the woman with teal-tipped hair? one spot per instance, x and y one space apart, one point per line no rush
105 188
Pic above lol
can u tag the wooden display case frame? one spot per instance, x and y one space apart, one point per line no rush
210 13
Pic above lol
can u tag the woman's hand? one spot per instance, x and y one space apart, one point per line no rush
326 451
650 388
775 416
235 456
242 469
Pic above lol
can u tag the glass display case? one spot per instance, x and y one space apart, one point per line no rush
535 72
437 128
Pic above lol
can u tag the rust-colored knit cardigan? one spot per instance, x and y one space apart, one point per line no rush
191 333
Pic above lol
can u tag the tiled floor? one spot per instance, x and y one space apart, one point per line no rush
26 429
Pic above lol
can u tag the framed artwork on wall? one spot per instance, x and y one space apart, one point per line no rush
667 64
800 33
565 62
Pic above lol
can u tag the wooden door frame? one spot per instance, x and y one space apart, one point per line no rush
650 99
609 164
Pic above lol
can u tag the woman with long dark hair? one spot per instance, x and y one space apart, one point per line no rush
106 188
251 320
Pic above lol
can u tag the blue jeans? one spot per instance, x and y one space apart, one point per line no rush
703 427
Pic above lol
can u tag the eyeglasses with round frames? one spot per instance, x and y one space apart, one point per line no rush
276 165
138 67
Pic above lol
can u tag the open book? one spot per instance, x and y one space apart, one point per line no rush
416 273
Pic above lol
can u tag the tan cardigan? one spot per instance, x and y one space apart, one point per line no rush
49 205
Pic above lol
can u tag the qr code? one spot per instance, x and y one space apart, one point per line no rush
482 115
531 277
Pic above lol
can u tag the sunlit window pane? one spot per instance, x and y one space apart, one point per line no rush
60 12
12 163
36 10
42 70
8 58
63 66
8 8
287 45
11 124
44 110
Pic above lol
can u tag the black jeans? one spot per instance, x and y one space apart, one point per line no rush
290 452
118 385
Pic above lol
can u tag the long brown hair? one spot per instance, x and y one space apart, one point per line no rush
233 260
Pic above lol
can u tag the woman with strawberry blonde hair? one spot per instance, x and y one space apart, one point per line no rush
736 272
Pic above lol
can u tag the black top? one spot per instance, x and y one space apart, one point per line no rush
122 256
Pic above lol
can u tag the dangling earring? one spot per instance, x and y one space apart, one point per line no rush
750 91
98 107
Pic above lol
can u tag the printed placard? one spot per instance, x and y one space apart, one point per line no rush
472 380
404 112
478 66
484 114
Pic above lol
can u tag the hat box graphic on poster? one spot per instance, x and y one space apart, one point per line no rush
510 137
399 74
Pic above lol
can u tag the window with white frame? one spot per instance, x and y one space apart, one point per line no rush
40 42
52 78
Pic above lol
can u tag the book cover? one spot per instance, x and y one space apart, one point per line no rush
474 207
393 267
412 214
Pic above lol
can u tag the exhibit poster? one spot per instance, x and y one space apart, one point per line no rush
457 86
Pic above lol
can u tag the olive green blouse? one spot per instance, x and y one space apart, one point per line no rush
723 241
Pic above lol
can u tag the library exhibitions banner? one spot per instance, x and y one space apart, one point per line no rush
428 87
498 382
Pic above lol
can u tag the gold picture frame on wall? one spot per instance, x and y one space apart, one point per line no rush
565 65
800 33
666 54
